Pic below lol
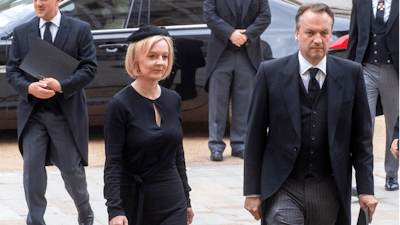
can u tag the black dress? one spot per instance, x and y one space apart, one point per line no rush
145 173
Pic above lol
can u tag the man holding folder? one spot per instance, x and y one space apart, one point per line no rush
52 114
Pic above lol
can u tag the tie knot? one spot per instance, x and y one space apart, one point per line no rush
48 24
313 72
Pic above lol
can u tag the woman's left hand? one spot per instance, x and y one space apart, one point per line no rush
190 215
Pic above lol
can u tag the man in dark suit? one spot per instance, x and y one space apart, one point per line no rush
374 42
309 123
52 114
233 56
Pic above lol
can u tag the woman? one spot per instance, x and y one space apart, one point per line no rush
145 173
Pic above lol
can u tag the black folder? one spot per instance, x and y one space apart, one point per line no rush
363 217
45 60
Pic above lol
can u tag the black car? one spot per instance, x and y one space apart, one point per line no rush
112 21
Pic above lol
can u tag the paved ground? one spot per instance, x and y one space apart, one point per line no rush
216 197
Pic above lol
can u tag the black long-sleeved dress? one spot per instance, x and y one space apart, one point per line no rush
145 173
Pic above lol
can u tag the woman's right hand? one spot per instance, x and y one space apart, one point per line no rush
119 220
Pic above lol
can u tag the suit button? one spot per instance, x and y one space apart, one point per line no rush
376 52
310 164
295 149
375 60
313 126
312 138
314 112
312 152
388 61
374 43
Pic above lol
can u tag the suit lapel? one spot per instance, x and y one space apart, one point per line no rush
62 33
394 13
290 86
232 7
245 8
33 31
365 17
334 83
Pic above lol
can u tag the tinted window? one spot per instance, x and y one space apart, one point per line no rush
176 12
108 14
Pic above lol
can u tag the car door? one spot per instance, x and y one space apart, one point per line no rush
184 21
108 20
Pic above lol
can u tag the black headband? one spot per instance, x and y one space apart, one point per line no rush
147 31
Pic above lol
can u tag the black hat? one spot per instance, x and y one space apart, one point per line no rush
147 31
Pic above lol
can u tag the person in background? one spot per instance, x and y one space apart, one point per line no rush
53 125
145 173
309 123
374 42
233 56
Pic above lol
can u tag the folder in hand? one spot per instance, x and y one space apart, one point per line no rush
363 217
45 60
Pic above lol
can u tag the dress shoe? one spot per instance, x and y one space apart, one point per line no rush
86 218
392 184
216 156
239 153
354 192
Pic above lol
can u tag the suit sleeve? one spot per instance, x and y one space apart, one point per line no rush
87 68
15 76
396 129
361 139
258 124
260 23
221 28
353 34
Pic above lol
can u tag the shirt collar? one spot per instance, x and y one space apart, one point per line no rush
56 20
304 65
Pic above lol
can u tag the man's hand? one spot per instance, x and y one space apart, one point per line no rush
119 220
370 201
238 37
190 215
39 90
52 84
394 148
253 205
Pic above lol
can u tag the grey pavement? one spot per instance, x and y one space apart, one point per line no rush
216 197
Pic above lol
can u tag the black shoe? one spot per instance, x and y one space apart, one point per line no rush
86 218
354 192
216 156
392 184
239 153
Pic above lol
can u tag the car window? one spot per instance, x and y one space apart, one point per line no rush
166 12
101 15
176 12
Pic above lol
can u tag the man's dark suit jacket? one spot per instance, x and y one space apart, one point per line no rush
220 17
360 30
75 38
275 105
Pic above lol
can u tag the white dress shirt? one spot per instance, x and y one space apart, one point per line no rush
304 66
53 27
388 6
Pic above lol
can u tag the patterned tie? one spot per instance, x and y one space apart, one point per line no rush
47 35
313 85
380 12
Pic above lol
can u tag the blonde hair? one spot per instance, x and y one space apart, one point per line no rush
134 49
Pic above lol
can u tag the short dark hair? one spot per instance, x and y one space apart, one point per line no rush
316 8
